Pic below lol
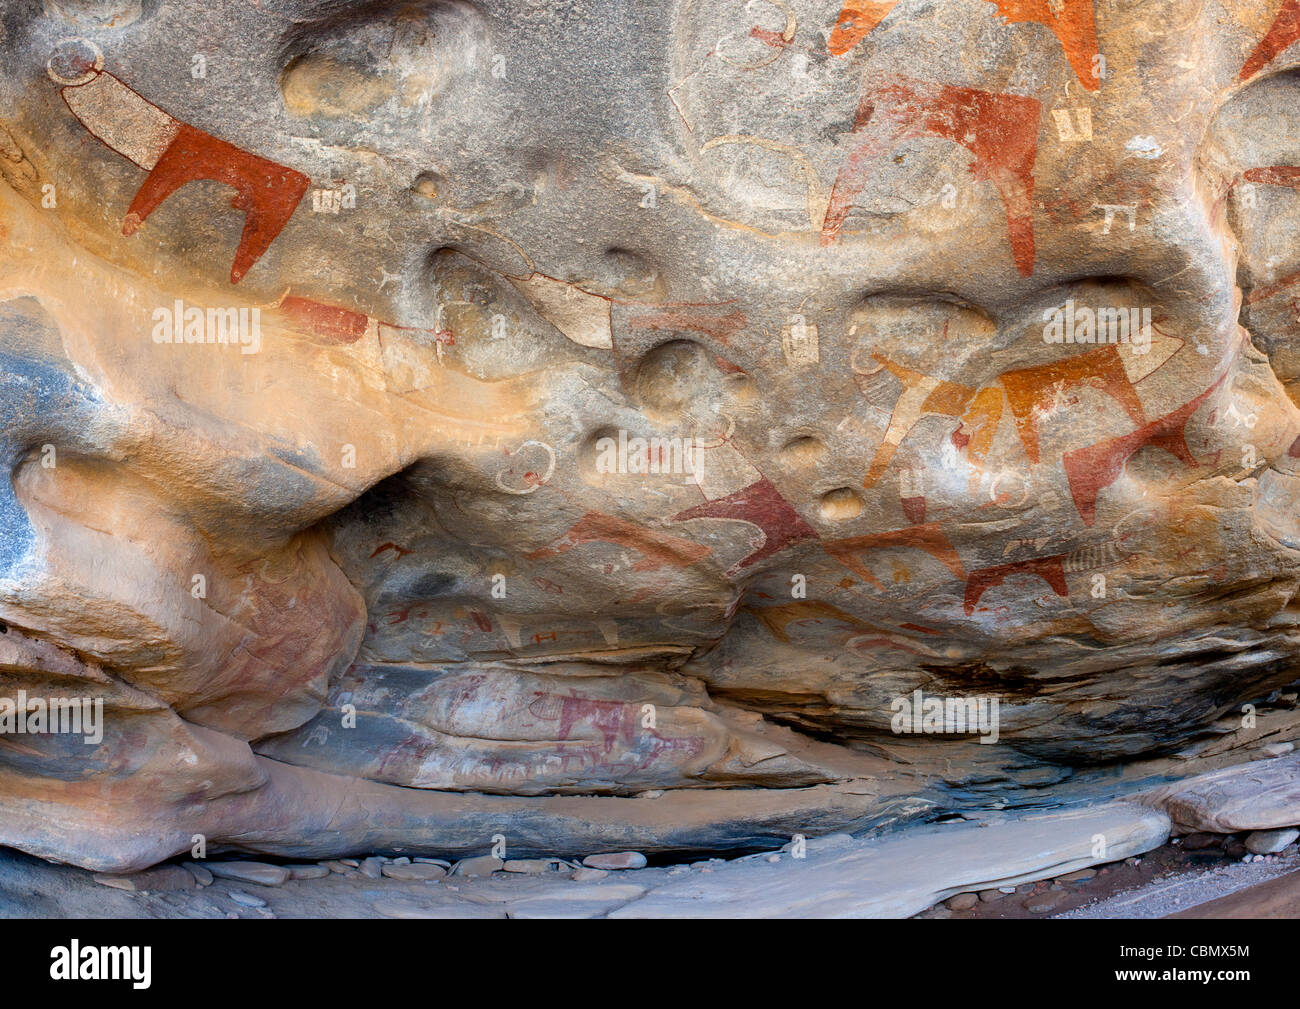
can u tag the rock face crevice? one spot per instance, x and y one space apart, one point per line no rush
668 428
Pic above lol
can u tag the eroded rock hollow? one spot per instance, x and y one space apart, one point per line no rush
663 425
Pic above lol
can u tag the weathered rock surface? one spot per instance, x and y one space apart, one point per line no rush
1269 842
481 865
616 860
617 427
418 870
200 874
900 876
250 872
162 878
912 868
533 865
1264 795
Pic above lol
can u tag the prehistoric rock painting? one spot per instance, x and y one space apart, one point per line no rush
373 583
268 193
1273 285
778 618
715 322
979 411
1275 175
339 324
857 20
761 505
1027 392
1093 468
175 153
930 538
1030 390
1049 569
444 736
1000 130
342 325
1071 21
656 549
1281 34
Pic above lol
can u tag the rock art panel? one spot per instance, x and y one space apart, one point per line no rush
652 429
175 153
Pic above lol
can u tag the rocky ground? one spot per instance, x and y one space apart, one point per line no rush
1186 847
1182 874
834 876
375 887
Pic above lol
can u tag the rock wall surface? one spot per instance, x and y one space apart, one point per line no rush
620 424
